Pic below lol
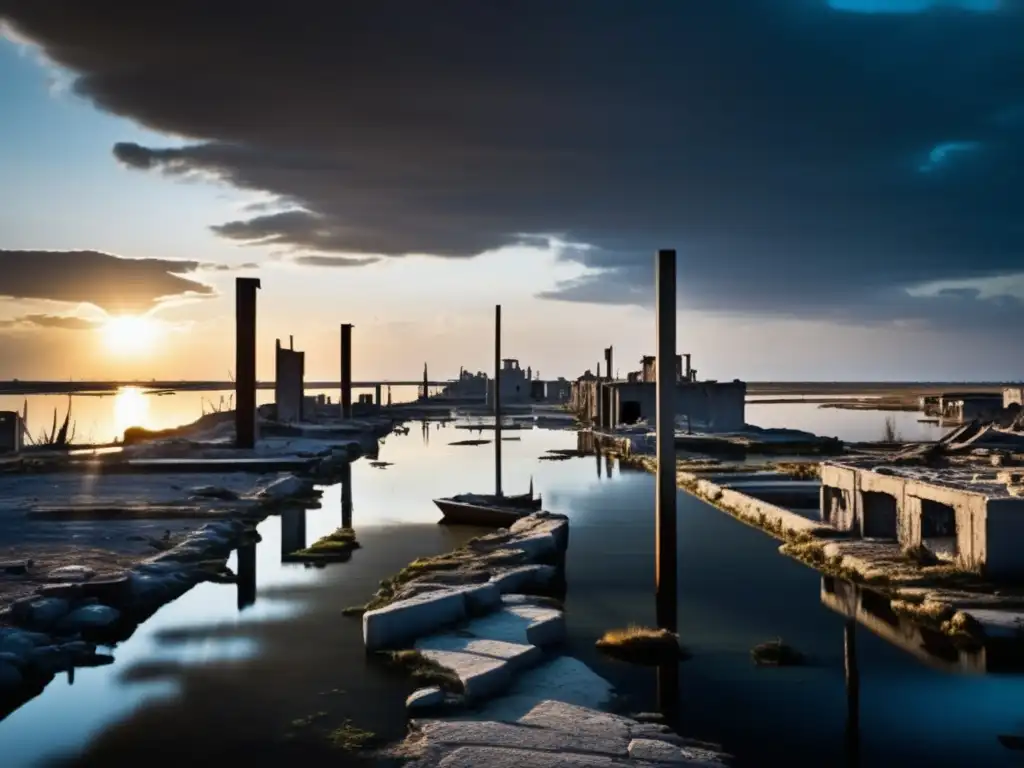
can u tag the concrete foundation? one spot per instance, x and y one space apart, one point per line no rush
289 385
965 515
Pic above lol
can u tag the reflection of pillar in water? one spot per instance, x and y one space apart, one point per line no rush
609 464
293 531
597 461
246 575
346 496
425 429
852 692
668 692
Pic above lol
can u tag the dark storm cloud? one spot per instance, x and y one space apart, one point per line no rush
110 282
777 145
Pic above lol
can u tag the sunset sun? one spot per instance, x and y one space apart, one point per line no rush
129 334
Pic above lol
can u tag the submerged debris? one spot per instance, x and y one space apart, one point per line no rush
776 653
333 546
351 738
642 645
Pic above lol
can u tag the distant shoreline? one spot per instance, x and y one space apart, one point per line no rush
777 388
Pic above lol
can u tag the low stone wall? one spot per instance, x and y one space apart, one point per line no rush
775 520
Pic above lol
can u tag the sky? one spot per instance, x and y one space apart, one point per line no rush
843 181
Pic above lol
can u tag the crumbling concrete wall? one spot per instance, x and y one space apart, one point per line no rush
1013 396
708 406
850 500
289 387
1003 532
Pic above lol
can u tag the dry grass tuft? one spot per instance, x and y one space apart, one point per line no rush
642 645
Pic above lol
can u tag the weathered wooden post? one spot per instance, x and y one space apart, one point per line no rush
245 361
497 399
665 501
346 370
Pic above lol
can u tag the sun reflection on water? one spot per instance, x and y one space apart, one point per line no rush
131 409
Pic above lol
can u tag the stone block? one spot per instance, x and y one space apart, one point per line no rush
406 620
524 577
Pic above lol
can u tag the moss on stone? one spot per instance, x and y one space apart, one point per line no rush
425 671
337 545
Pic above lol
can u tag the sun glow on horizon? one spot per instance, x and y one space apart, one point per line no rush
129 334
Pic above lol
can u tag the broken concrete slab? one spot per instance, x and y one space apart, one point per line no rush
552 734
408 619
485 667
522 623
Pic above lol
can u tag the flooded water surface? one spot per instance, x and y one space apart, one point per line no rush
252 670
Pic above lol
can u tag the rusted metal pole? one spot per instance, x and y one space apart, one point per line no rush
245 361
665 500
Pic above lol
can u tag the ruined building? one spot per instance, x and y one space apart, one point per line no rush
705 406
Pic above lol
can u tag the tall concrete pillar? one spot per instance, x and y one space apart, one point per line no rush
376 395
346 371
665 502
245 361
497 399
608 363
289 389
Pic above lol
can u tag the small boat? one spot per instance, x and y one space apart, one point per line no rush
487 509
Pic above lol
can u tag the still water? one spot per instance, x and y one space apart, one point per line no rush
226 670
102 419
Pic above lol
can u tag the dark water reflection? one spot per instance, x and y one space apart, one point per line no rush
736 591
223 671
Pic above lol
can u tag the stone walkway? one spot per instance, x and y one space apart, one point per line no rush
553 734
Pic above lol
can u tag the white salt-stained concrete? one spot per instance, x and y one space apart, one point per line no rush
442 598
552 734
531 708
